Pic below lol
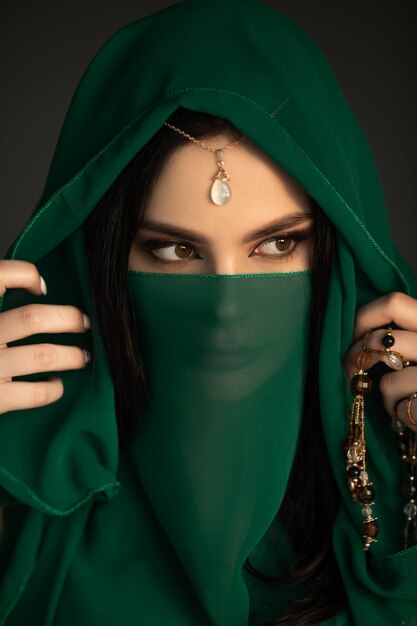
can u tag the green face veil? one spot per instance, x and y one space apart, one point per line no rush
226 355
159 535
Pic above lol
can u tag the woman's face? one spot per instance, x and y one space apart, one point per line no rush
265 227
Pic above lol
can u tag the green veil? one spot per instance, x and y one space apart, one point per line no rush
85 539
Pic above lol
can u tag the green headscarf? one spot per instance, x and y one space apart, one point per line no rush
92 539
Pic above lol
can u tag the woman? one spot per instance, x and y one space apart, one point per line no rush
193 471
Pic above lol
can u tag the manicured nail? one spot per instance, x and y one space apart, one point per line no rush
87 356
87 321
43 286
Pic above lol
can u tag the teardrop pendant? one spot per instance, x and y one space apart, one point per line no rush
220 192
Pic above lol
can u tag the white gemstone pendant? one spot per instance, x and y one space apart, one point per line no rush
220 192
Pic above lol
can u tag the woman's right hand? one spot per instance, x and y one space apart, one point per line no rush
28 320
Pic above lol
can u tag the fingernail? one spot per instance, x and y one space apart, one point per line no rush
43 286
55 378
87 356
87 321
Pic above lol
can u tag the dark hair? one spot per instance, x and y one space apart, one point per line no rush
311 498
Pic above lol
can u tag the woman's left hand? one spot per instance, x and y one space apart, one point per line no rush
396 386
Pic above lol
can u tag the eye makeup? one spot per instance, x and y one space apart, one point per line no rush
151 246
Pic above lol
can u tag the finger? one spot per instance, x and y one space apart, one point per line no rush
402 413
14 273
44 357
393 308
405 344
31 319
395 386
23 395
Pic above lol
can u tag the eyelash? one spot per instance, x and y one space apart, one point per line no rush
297 237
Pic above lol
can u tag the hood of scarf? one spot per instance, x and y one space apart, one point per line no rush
249 63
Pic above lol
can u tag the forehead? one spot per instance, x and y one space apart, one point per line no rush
261 189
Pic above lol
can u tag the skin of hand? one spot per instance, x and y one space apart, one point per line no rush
28 320
395 386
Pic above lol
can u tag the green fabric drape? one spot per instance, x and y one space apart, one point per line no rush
91 537
221 431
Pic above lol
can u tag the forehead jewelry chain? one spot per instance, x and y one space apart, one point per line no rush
220 192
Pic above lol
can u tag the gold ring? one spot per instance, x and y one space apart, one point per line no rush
409 403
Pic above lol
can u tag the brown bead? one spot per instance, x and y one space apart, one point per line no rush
371 528
360 384
366 494
362 360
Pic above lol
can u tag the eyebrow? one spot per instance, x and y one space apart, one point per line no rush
288 221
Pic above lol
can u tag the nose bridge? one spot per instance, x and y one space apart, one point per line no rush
227 302
223 265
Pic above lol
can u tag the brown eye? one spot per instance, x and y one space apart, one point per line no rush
283 244
182 250
278 247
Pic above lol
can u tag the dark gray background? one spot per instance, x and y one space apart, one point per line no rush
46 45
